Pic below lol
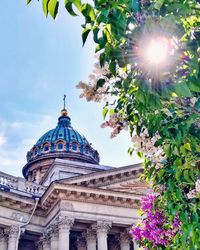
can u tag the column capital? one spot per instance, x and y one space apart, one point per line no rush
3 235
12 231
52 230
65 222
45 238
125 237
90 234
103 226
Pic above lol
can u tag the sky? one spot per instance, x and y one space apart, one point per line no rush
41 60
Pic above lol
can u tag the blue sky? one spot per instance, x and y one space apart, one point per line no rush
41 60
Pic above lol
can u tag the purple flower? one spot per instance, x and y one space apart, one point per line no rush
153 226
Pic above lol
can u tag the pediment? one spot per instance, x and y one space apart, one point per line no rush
123 179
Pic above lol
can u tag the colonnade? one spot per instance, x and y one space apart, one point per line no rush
57 237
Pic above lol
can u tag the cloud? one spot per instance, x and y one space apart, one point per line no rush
17 138
3 139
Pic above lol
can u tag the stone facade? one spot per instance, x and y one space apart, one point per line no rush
80 213
72 205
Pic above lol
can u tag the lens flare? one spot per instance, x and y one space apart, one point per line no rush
158 51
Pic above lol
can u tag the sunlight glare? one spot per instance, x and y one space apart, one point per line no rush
158 50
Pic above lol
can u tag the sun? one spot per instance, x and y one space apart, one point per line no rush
157 51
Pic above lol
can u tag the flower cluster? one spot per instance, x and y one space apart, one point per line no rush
91 91
117 123
144 143
154 228
193 193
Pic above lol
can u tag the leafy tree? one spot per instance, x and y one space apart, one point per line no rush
159 101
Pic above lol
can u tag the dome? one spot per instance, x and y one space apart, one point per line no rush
62 142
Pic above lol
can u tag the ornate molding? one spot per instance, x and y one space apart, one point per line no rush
53 231
45 238
90 234
65 222
3 235
125 237
103 226
18 217
12 232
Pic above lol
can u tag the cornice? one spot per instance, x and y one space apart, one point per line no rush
105 178
58 192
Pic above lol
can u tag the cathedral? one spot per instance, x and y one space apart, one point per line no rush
67 200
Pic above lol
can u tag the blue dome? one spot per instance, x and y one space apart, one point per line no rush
63 142
63 131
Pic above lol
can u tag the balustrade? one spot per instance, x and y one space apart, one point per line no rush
20 184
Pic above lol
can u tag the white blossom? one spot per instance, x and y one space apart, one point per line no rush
194 192
116 122
144 143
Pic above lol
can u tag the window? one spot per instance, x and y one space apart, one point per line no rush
46 148
60 146
74 147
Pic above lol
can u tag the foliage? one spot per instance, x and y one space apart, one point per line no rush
162 108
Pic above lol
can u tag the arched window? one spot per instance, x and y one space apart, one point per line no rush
46 147
60 145
74 147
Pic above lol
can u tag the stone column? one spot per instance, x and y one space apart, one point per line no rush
3 240
102 231
45 240
64 226
13 239
54 237
125 241
91 239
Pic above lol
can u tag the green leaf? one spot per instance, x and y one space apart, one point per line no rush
182 90
104 112
53 8
78 4
68 6
100 83
197 105
45 6
88 11
28 1
85 34
95 34
194 86
187 146
159 4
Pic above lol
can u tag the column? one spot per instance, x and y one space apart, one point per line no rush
45 239
13 237
102 231
81 244
64 226
54 237
91 238
3 240
125 241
